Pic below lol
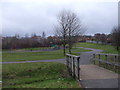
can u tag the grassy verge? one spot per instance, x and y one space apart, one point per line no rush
105 48
37 75
27 56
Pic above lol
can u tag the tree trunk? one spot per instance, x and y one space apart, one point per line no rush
64 49
70 46
70 41
64 45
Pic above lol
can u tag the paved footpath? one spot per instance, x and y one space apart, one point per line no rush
53 60
93 76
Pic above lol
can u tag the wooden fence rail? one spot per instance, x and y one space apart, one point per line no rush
107 61
73 65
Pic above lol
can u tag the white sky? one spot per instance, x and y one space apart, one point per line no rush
35 16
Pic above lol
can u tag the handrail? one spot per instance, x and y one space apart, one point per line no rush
107 54
73 55
73 65
107 60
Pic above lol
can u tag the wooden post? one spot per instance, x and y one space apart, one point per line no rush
115 63
70 66
73 68
106 57
99 58
78 68
67 61
94 58
106 60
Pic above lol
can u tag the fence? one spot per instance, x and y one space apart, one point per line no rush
110 61
73 65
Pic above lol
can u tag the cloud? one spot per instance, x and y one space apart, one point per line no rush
23 16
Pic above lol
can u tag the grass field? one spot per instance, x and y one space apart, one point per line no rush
40 48
27 56
105 48
23 49
37 75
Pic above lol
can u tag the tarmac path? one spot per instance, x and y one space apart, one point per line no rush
53 60
92 76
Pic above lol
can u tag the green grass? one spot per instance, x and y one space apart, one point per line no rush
37 75
23 49
105 48
46 55
40 48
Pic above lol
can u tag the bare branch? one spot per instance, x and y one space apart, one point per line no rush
69 26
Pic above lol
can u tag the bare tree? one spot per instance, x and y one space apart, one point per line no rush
62 28
116 37
69 26
74 28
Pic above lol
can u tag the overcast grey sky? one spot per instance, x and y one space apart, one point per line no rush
36 16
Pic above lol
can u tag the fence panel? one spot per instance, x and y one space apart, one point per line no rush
109 61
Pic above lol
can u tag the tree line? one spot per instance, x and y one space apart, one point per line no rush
16 42
67 31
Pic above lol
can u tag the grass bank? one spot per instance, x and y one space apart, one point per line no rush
105 48
37 75
45 55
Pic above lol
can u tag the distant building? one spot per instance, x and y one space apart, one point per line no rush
103 38
84 38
